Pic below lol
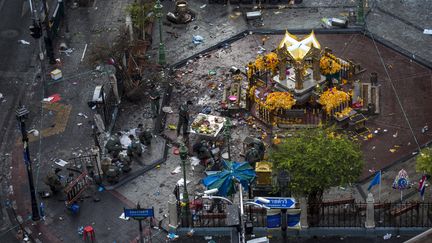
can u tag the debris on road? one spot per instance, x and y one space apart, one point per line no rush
387 236
176 170
181 182
83 115
167 109
194 161
52 99
23 42
203 6
197 39
122 216
60 162
427 31
84 52
67 51
172 236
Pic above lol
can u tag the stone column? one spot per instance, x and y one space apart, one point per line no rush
282 64
172 212
303 213
299 74
316 64
282 69
370 217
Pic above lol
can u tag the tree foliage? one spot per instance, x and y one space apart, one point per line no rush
424 161
141 14
316 160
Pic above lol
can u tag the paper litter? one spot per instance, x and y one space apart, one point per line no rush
181 182
60 162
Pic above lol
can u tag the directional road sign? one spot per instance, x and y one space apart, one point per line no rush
139 213
278 202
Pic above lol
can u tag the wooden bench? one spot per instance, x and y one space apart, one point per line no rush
399 211
338 202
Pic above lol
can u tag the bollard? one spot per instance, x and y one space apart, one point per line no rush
172 212
303 213
370 217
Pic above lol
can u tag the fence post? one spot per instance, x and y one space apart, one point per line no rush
172 212
303 213
370 217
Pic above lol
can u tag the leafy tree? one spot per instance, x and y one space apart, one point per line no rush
317 159
141 14
424 161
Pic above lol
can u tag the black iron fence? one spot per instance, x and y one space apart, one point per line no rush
210 213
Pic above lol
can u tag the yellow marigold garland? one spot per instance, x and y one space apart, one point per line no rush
274 100
279 100
329 65
260 63
269 61
332 98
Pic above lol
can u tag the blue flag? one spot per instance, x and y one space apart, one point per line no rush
376 180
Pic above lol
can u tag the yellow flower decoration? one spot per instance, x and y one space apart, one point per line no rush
332 98
328 65
279 100
260 63
344 113
272 61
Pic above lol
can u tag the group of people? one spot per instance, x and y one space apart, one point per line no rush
142 136
114 147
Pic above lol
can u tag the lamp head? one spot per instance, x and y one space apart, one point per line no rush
263 200
183 152
211 191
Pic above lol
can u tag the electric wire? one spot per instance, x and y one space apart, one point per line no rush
392 84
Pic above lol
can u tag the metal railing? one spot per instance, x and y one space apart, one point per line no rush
341 215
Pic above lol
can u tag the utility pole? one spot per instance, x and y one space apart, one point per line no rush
21 115
36 32
47 36
158 10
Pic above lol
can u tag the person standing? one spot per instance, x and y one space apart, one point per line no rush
144 135
155 100
134 149
183 121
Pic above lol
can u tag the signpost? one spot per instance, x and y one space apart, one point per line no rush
139 214
278 202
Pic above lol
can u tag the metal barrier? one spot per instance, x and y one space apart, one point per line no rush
347 214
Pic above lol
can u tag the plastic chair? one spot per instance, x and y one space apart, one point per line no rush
89 231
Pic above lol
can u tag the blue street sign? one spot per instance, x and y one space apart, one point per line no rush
278 202
139 213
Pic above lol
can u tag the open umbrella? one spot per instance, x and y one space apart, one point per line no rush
225 180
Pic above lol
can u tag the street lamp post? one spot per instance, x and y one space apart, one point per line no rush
21 115
158 10
284 179
227 134
185 205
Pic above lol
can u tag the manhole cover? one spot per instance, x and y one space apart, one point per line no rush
9 33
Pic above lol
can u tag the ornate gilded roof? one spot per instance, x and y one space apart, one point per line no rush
298 49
